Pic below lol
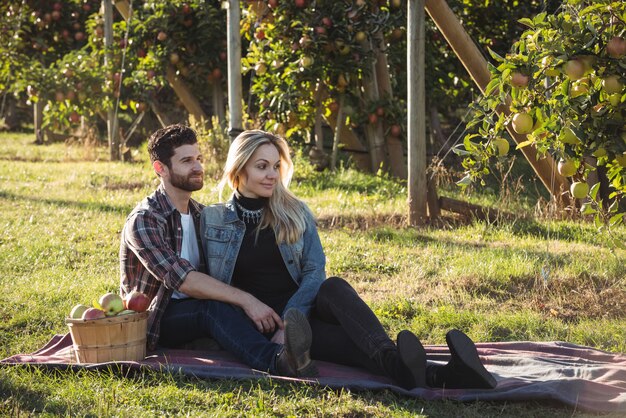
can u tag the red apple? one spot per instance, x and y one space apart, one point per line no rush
59 96
56 15
57 6
174 58
320 30
372 118
161 36
223 56
79 36
93 313
216 73
70 95
86 7
300 4
259 34
380 111
141 53
187 22
137 301
333 107
272 3
74 117
395 130
326 21
186 9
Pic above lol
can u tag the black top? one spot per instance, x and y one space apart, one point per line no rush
260 269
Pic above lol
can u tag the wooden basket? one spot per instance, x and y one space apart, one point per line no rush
116 338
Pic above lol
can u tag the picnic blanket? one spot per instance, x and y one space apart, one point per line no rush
581 377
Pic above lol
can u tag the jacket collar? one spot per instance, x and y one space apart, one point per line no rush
230 213
167 207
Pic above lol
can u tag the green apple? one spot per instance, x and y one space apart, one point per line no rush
566 168
522 123
579 189
612 84
615 99
502 146
574 69
111 303
78 311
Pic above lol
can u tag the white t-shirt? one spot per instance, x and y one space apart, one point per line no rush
189 250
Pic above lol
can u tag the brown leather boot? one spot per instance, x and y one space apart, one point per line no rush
294 359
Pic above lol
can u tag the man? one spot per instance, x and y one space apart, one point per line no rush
160 255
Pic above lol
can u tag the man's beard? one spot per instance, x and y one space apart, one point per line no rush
185 183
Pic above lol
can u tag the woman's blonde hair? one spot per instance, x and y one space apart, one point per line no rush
287 214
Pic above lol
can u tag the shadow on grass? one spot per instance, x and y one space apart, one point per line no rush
90 206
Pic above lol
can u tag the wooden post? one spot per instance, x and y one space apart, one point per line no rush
235 95
218 103
416 113
476 65
114 147
38 121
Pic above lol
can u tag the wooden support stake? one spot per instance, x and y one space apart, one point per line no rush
417 194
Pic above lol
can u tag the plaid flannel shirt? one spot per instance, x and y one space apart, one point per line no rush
150 254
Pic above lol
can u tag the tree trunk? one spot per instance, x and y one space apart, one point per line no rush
373 132
395 147
352 143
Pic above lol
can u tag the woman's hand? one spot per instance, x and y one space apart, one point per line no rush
264 317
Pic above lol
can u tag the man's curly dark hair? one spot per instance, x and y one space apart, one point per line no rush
163 143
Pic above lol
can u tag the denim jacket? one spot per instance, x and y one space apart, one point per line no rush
222 233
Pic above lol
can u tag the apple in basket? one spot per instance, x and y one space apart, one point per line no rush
93 313
78 311
111 304
137 301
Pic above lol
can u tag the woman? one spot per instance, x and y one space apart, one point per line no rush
264 241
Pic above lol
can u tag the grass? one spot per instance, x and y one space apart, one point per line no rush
62 209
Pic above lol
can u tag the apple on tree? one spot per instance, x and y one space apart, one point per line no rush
579 189
502 146
566 168
522 123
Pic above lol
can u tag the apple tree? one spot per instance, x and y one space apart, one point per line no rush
564 83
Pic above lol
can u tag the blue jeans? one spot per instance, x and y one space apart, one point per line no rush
185 320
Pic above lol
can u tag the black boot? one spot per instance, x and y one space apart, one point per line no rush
464 370
294 359
405 363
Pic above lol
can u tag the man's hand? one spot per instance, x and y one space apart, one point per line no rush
264 317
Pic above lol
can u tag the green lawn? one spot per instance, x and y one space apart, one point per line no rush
62 209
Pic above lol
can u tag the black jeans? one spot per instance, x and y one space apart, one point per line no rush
345 330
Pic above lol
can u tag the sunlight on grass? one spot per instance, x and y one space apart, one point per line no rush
521 280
